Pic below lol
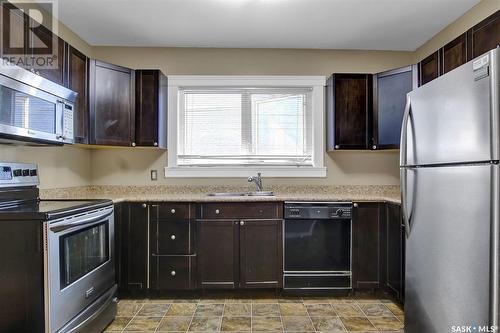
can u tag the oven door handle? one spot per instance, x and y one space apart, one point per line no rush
80 222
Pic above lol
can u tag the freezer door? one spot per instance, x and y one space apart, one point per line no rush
454 118
448 248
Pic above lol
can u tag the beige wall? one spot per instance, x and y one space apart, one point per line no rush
72 166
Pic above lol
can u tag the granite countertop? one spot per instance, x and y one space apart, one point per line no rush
177 193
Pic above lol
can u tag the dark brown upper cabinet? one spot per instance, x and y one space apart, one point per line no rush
349 105
481 38
46 45
76 79
14 31
484 36
454 54
111 104
150 109
429 68
389 101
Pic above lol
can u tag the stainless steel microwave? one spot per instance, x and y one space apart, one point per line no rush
34 109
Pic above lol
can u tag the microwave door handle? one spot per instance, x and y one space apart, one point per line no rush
79 222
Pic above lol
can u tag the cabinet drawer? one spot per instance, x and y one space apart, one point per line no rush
173 272
174 211
247 210
170 237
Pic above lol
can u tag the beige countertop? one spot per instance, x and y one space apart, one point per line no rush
171 193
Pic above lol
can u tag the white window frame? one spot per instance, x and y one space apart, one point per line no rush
317 83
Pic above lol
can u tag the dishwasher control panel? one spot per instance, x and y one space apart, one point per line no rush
318 210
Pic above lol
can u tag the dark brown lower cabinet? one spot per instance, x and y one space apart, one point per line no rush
133 247
218 249
260 254
173 272
394 250
366 245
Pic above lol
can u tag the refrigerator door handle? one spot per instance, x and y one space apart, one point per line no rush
406 220
403 149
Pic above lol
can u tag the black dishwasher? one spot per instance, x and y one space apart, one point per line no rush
317 245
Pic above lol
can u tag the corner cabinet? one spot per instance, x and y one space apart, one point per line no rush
240 245
389 100
111 104
365 111
151 109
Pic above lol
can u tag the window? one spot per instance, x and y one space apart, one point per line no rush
234 126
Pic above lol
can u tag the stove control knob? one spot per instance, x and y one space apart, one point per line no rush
339 212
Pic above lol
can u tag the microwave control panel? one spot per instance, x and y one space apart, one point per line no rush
68 122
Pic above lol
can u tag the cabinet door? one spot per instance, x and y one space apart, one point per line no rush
134 247
454 54
366 245
151 109
349 111
261 254
429 68
389 101
394 250
484 36
43 43
111 104
218 253
14 32
76 79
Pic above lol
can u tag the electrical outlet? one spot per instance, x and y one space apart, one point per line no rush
154 175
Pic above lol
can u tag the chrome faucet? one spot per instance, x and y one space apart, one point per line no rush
257 180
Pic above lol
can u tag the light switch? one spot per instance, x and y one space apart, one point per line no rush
154 175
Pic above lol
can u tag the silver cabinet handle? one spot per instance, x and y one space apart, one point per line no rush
336 147
172 211
374 147
217 211
133 144
172 273
144 205
242 222
172 237
155 144
355 205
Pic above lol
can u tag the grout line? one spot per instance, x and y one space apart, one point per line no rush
133 317
164 315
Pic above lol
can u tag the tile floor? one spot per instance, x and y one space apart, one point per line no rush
259 313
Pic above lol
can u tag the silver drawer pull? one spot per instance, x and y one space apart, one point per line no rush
172 273
144 205
172 237
242 222
217 211
172 211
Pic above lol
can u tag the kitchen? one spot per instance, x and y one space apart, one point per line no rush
167 174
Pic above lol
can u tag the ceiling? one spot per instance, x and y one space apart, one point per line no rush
319 24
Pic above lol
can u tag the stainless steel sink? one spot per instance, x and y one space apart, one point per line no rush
242 194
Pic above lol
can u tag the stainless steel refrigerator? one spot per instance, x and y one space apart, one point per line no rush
450 174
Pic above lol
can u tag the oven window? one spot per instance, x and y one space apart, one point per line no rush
22 110
82 251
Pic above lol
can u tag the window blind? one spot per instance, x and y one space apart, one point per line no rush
244 126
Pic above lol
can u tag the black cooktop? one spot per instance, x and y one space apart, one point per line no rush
50 209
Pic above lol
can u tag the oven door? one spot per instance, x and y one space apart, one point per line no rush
80 264
317 246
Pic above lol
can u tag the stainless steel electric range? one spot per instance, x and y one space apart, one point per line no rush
57 271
